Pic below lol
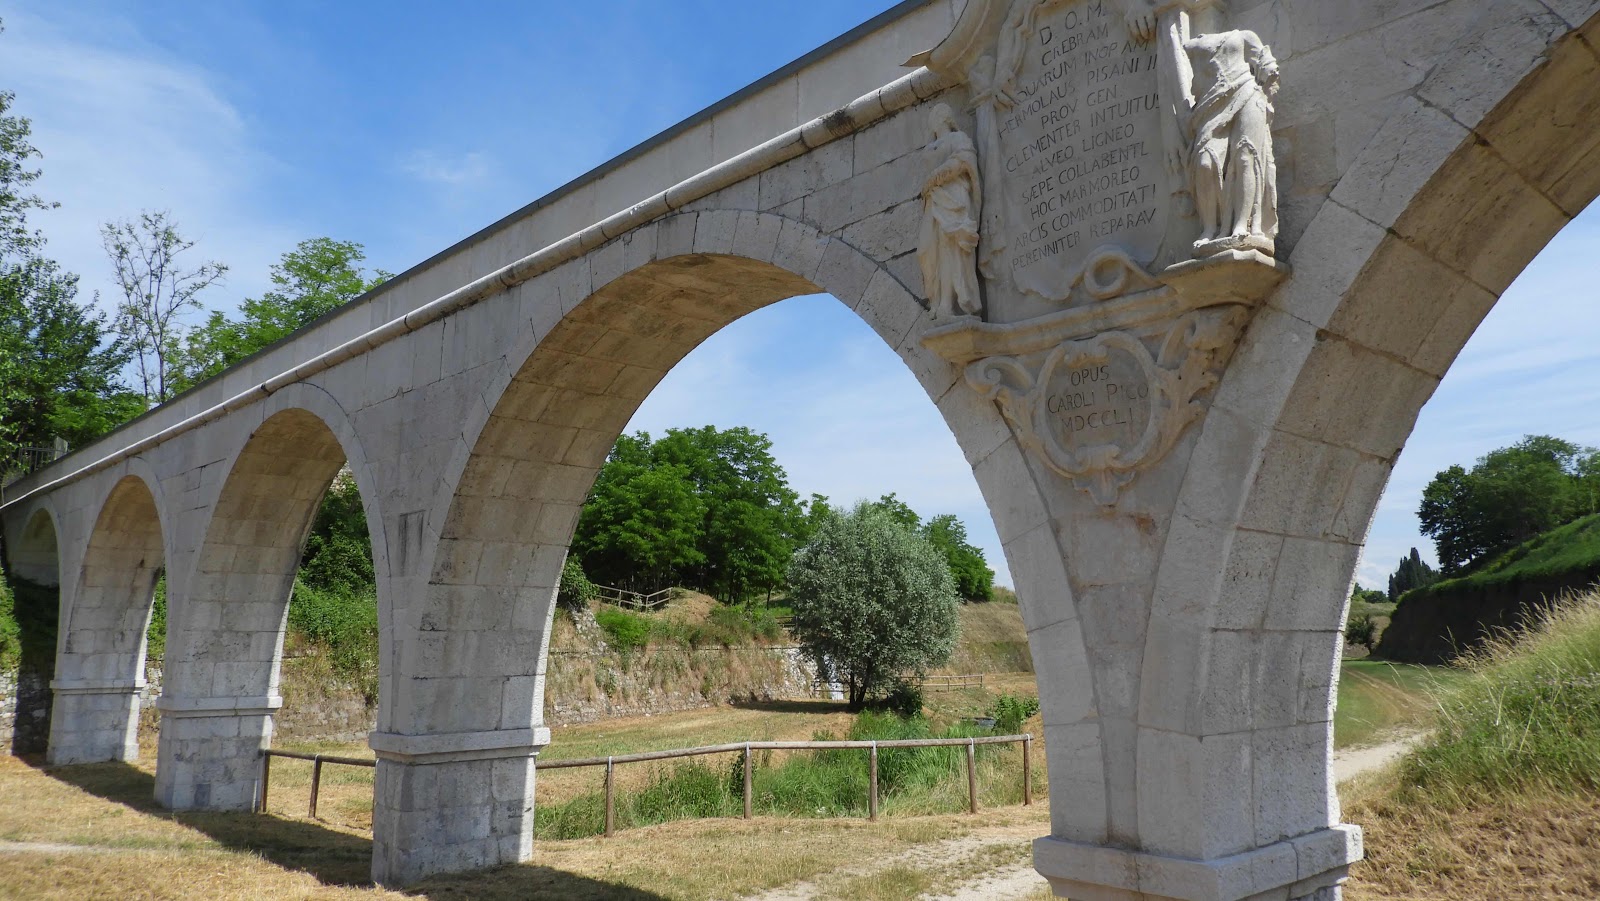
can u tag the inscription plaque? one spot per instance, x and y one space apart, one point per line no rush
1079 125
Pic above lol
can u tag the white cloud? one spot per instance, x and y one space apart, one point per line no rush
450 171
123 128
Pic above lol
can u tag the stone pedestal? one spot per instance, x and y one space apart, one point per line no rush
94 722
455 802
1308 868
210 754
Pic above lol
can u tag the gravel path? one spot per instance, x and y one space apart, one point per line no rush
1019 881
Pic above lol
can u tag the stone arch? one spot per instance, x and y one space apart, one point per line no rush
99 669
469 656
35 552
226 636
1450 200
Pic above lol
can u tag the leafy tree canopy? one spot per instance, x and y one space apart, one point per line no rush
873 601
318 276
1509 496
703 507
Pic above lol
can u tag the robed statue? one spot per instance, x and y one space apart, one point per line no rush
952 205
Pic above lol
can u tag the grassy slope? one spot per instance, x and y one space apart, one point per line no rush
1572 548
1504 800
993 640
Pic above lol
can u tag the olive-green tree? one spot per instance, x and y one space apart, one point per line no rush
873 601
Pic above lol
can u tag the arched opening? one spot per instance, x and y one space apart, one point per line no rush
470 658
30 612
100 671
224 660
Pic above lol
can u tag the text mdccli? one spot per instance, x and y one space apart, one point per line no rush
1096 244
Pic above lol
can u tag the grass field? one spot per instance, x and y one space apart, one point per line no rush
1378 700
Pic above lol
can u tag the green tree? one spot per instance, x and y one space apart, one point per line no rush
899 511
58 368
873 601
1509 496
974 578
338 552
156 291
751 514
703 507
319 276
643 523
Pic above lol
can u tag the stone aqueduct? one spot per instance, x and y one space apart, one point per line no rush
1183 601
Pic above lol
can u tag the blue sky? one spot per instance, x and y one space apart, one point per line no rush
408 126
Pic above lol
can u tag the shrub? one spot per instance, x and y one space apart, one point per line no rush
576 590
345 626
904 698
1011 711
156 634
624 631
10 631
1362 630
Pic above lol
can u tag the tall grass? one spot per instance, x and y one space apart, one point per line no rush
828 783
1525 720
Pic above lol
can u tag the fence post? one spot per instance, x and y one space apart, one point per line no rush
972 776
610 801
749 797
316 783
266 778
872 790
1027 771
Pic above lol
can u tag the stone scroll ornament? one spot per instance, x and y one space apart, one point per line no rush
1099 409
1117 208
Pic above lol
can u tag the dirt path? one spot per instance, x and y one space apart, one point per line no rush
1353 762
1017 880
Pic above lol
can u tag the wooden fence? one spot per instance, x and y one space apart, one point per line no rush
632 600
951 683
746 748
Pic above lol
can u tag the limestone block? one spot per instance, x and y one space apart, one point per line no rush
1294 793
1499 53
1195 798
1060 661
714 230
1482 219
806 174
868 193
1399 160
886 141
799 250
889 234
756 236
1008 486
1319 405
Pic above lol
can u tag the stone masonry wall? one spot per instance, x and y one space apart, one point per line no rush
24 712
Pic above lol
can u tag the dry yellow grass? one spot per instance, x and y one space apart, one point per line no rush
132 849
1533 848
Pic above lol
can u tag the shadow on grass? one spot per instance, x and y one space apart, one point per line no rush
330 856
816 705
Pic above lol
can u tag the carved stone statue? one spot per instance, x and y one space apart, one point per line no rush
1220 85
1232 171
952 205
